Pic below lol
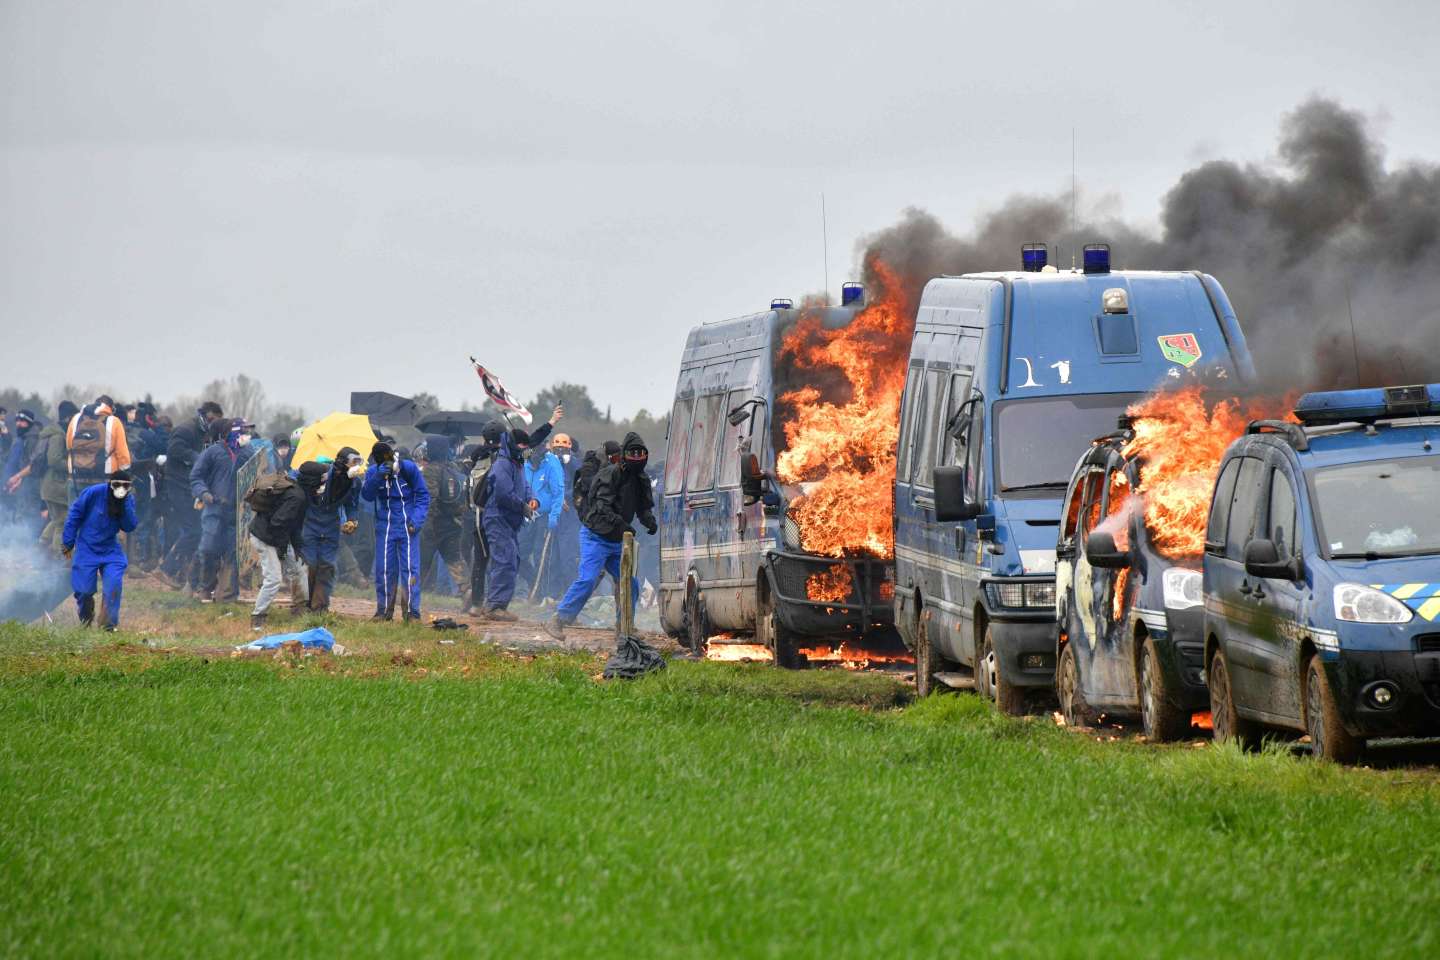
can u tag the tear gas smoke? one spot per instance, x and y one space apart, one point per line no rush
32 580
1329 232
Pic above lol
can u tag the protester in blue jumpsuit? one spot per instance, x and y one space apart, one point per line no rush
212 481
508 503
97 516
401 501
546 478
329 514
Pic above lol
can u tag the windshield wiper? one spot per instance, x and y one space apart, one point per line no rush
1376 555
1047 485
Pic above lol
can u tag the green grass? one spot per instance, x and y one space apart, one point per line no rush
473 803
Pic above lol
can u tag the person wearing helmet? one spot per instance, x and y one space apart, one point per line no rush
90 542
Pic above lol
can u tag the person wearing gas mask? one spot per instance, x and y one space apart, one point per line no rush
396 488
508 504
91 543
546 477
444 528
333 506
212 483
620 493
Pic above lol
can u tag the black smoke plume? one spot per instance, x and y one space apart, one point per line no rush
1330 234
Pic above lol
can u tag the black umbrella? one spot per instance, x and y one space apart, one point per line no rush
384 409
454 423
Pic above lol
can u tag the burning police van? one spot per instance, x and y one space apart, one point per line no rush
1010 376
1322 573
771 523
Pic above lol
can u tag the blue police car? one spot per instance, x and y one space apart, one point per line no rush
1322 573
1011 375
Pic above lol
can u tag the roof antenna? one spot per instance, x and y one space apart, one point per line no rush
1354 346
825 245
1074 231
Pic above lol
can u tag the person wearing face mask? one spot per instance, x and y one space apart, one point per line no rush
620 493
396 488
546 477
508 504
328 517
212 483
564 557
90 542
21 489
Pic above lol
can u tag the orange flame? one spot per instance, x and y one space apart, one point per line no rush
1180 436
852 658
738 652
840 441
1202 720
832 585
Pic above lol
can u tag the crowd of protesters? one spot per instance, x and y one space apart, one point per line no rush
517 513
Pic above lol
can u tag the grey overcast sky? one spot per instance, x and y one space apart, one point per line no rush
334 195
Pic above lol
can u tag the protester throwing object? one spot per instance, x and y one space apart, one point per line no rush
619 494
402 501
90 540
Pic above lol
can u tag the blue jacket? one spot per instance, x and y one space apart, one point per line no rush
214 473
509 493
400 497
90 528
325 513
548 486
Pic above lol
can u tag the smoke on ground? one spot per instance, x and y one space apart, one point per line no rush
32 580
1329 233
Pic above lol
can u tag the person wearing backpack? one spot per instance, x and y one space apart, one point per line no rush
96 443
212 484
276 534
328 516
90 542
444 527
396 488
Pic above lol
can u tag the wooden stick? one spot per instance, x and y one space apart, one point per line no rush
540 567
623 593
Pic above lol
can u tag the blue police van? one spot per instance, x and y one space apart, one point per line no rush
1011 375
1322 573
731 559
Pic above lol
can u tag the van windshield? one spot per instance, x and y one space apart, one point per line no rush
1038 441
1380 508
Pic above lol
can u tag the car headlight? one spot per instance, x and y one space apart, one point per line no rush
1182 588
1032 595
1358 603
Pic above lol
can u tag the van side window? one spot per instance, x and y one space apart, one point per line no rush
701 472
914 386
1280 527
679 441
753 426
1088 487
929 421
959 393
1220 506
1243 507
975 451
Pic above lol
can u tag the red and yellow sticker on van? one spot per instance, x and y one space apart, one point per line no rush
1181 348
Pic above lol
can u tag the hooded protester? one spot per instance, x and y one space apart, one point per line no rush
21 482
90 542
546 478
589 470
55 482
396 488
147 443
444 528
96 441
508 504
275 533
280 450
212 482
621 492
334 502
180 568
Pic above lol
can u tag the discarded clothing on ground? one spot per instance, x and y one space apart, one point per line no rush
449 623
632 658
316 638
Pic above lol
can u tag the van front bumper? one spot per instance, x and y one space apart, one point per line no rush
1414 682
868 607
1025 647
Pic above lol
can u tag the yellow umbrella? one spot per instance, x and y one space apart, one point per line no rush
326 436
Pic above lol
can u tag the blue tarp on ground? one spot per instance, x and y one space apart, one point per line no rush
314 638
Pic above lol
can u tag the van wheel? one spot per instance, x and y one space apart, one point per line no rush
1328 737
927 661
771 633
1073 706
1162 720
991 682
1228 724
697 631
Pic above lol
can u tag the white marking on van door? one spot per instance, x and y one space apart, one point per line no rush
1029 373
1064 367
1173 372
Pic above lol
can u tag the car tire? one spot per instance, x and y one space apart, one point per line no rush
1073 706
697 630
991 682
771 633
928 660
1227 724
1329 740
1161 719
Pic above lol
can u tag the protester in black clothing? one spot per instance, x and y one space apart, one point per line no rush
277 536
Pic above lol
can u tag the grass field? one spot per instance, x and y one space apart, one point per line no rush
465 802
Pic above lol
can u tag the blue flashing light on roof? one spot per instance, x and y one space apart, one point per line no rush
1097 258
781 304
851 292
1363 406
1033 257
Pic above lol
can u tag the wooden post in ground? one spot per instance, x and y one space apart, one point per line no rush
624 596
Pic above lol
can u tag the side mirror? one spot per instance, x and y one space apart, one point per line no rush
950 502
1262 559
1101 552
